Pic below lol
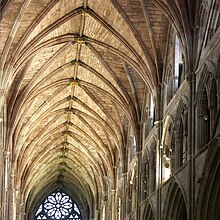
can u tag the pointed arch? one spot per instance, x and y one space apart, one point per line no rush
209 193
58 205
175 204
168 143
148 213
181 125
206 105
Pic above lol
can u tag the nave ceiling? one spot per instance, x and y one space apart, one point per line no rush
76 74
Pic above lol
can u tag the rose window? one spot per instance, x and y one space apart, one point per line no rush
57 206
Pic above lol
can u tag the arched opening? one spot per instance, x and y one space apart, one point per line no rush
203 134
131 191
152 111
149 113
209 194
175 207
169 83
178 64
207 106
174 74
168 143
215 22
181 124
132 150
58 205
148 212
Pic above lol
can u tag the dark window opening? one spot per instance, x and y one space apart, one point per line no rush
56 206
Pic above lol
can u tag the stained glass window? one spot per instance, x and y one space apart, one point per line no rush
58 206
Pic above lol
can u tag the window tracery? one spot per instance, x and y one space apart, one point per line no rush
57 206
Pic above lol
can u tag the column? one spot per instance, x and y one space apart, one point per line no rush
191 79
159 150
138 184
1 182
12 196
104 213
22 211
114 204
6 185
124 196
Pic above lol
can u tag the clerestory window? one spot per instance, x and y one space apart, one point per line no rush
57 206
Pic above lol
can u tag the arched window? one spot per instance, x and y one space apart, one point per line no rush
175 206
174 74
178 64
203 119
152 111
149 115
213 7
169 83
168 145
57 206
181 134
207 108
132 150
211 88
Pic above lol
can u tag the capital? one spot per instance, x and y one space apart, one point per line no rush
6 154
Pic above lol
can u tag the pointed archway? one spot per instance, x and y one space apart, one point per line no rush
175 206
209 193
148 212
58 205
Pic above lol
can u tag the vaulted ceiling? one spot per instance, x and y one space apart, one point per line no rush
75 73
